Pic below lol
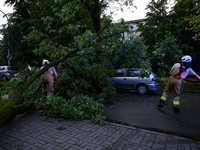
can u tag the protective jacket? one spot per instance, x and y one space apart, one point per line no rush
47 80
175 80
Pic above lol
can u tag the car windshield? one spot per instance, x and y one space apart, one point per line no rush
13 68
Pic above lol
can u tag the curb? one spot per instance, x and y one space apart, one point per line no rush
152 132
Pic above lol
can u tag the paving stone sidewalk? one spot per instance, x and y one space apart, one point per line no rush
29 132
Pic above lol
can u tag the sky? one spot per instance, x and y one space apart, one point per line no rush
6 10
139 12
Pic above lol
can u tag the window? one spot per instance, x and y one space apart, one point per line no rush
2 68
119 74
13 68
132 73
130 28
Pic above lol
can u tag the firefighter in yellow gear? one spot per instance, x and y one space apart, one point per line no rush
178 72
47 79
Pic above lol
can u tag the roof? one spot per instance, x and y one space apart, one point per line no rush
134 21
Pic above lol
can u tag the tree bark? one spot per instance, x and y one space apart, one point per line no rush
9 110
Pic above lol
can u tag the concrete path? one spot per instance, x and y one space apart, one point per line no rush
29 132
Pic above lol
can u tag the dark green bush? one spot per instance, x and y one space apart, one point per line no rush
78 107
86 81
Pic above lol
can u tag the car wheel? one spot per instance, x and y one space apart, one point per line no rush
142 89
5 78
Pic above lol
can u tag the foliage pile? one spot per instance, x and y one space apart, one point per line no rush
79 107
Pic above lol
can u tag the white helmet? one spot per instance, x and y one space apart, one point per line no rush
186 58
45 61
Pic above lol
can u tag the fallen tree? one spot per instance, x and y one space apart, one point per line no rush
60 37
10 108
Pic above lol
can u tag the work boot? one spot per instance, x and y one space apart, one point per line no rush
176 109
161 104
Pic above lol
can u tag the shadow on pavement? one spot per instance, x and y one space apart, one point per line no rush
141 111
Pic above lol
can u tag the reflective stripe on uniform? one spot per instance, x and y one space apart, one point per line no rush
176 102
163 98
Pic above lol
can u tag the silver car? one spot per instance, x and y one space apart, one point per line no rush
7 72
127 78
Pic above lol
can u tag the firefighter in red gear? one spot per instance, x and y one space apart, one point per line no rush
47 79
178 72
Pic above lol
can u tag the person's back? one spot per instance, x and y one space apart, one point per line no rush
47 79
178 72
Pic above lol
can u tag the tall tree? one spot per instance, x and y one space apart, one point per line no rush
159 23
193 18
85 54
184 37
31 13
153 30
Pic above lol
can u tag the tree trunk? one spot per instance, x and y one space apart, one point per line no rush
9 110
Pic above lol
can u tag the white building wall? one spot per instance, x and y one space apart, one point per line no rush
132 28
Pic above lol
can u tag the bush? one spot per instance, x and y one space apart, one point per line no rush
78 107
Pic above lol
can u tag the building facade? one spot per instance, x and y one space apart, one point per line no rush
132 28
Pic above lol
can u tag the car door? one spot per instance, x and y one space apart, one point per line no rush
120 80
1 71
132 78
13 70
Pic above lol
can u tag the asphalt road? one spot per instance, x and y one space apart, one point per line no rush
141 111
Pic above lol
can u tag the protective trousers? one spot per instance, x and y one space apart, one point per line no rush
174 83
47 83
